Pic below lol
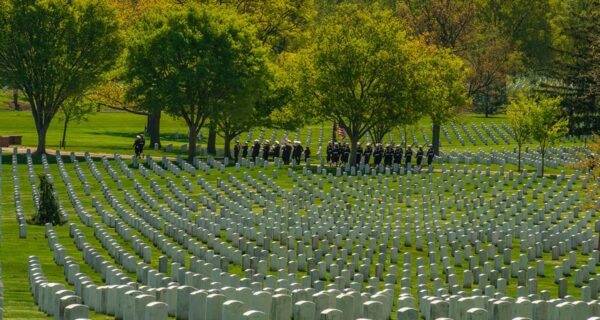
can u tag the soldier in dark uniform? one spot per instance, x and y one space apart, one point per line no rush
430 155
137 146
398 155
419 157
286 153
345 153
236 151
359 151
377 154
276 149
335 154
329 152
368 152
298 151
266 149
255 150
388 155
306 153
245 150
408 155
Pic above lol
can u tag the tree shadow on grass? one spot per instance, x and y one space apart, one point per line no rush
131 135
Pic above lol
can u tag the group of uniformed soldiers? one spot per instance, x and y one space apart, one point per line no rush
339 154
286 151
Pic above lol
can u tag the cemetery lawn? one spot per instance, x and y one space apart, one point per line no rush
114 132
14 252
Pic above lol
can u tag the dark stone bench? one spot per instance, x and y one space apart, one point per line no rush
10 140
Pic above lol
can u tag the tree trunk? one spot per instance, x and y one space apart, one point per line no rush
543 156
353 145
377 135
519 157
41 132
436 139
333 132
154 128
227 145
211 144
192 144
63 141
16 100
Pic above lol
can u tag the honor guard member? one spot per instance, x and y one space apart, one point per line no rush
345 153
137 146
298 151
368 152
266 149
408 155
359 151
276 149
286 152
245 150
388 155
255 150
419 157
306 154
430 155
335 155
377 154
398 154
329 152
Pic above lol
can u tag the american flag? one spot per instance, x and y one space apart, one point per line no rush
341 132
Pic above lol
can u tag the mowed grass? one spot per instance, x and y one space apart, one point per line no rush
14 251
114 132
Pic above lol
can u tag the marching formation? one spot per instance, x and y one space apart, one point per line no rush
286 151
337 154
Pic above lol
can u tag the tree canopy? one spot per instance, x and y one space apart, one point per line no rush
193 60
359 70
55 49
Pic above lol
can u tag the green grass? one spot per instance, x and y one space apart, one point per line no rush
14 252
110 132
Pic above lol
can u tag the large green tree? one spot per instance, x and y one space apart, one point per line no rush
55 49
572 71
442 78
458 25
358 71
194 60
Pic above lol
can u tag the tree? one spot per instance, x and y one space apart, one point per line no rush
48 210
16 100
526 24
358 71
75 109
280 24
519 117
444 94
194 60
547 125
56 49
112 94
577 31
459 27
